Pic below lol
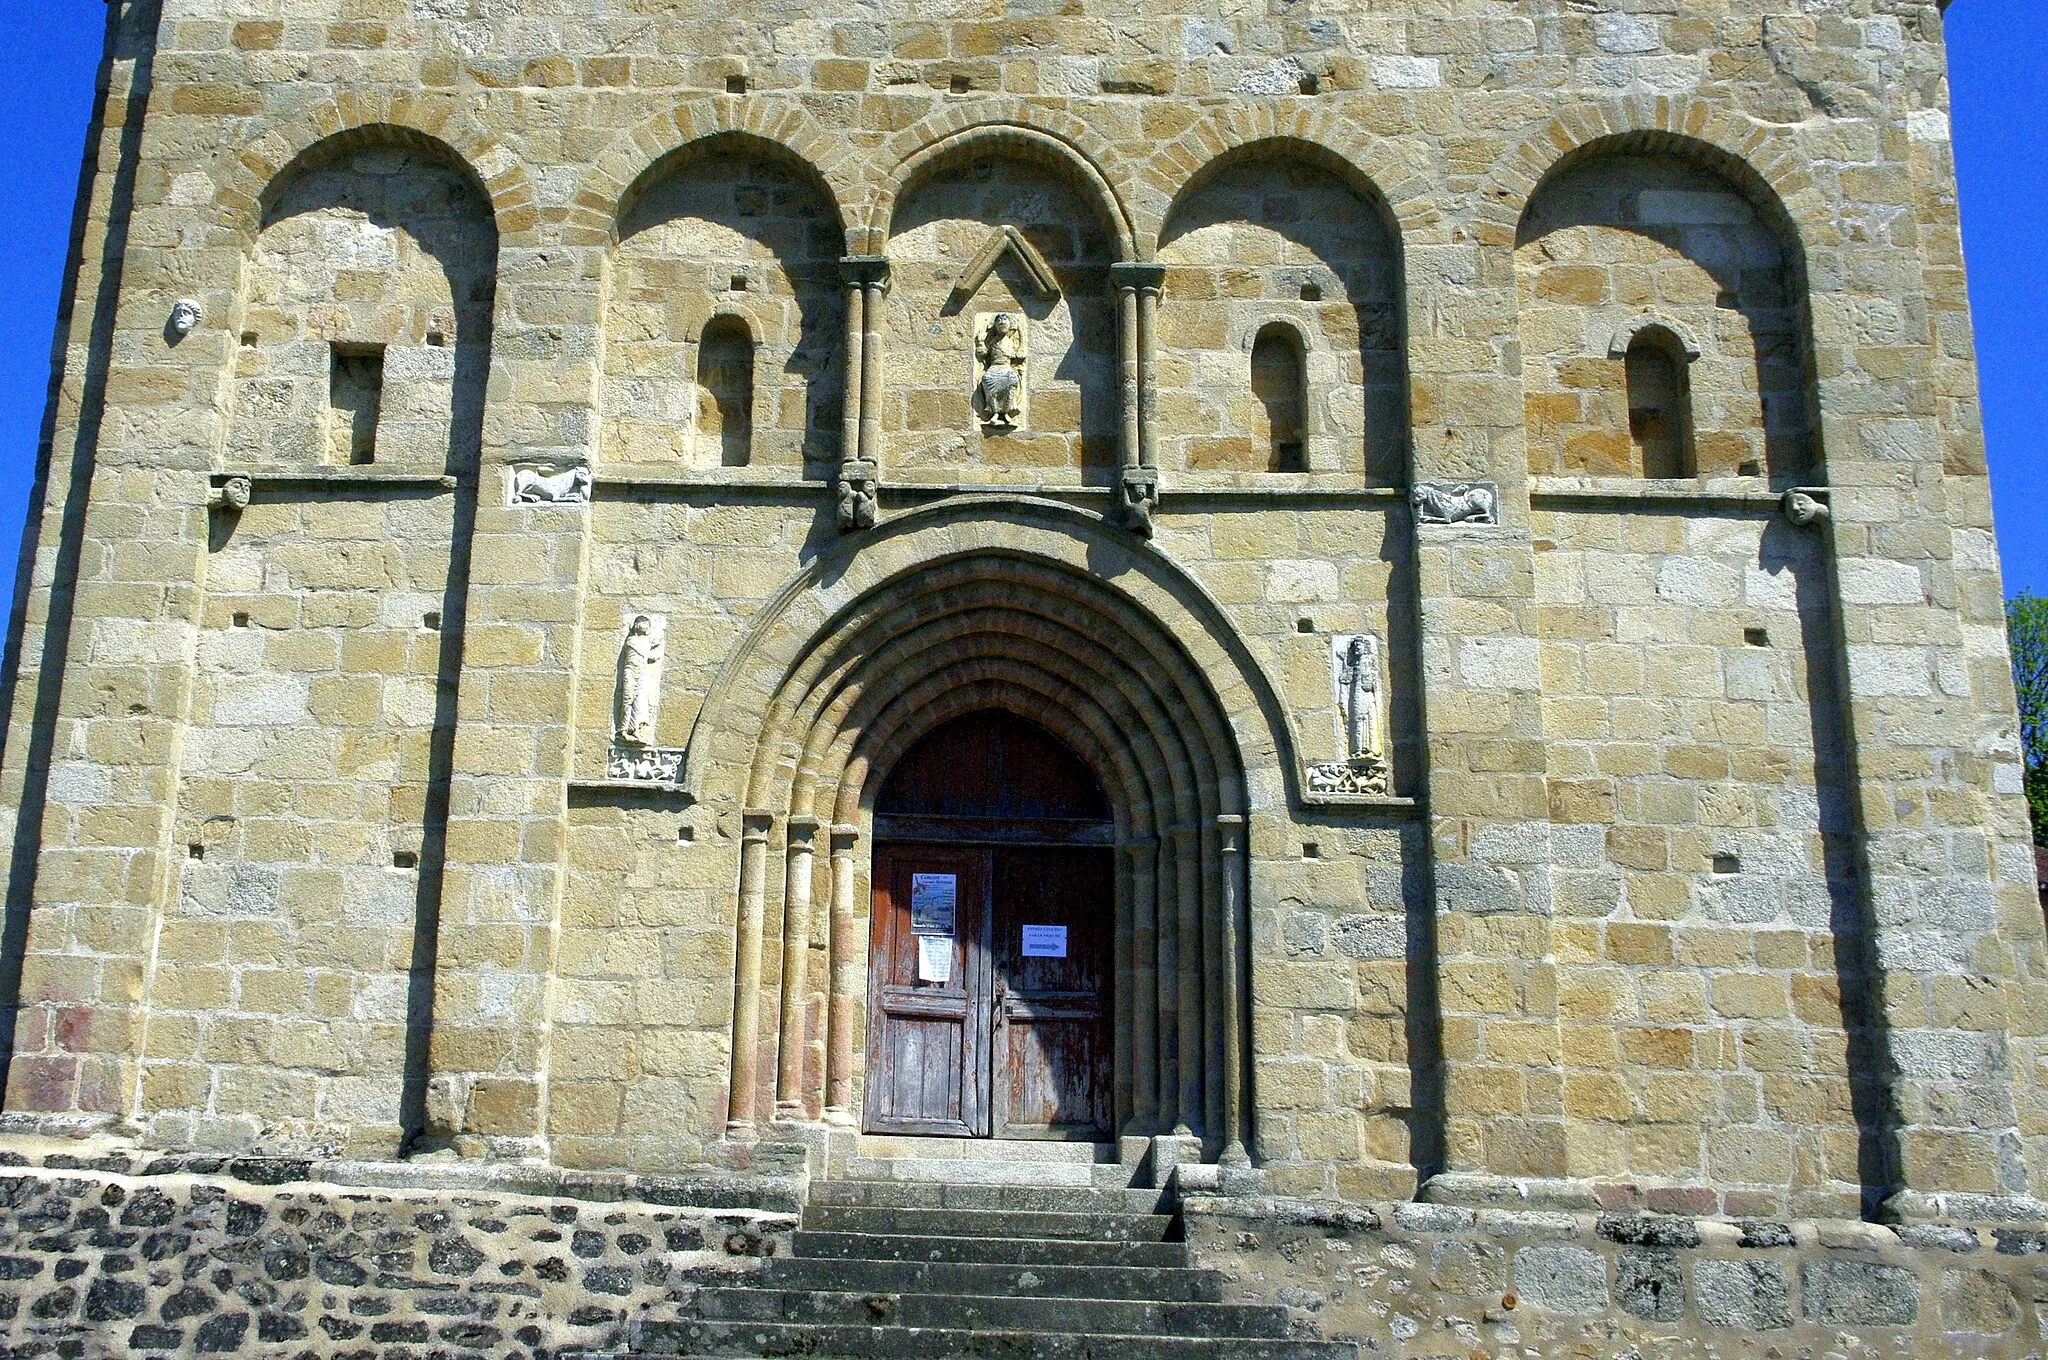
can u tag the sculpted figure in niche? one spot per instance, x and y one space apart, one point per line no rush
1358 675
640 662
1355 677
999 351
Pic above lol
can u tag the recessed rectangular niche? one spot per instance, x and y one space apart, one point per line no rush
1725 863
355 397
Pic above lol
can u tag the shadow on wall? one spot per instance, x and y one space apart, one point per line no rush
1614 240
725 315
1265 246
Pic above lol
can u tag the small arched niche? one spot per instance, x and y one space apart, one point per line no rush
731 243
366 321
1697 277
1280 243
1659 405
1279 383
725 393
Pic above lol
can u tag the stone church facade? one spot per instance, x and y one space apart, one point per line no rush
592 561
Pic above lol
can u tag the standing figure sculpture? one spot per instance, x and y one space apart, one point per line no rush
1000 356
640 681
1360 688
1355 682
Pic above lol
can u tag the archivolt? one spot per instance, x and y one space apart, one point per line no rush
1370 166
1030 133
957 616
274 159
782 128
1762 165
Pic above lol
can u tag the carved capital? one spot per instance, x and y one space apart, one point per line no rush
865 271
1135 277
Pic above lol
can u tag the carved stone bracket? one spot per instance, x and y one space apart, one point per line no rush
231 492
1140 499
1804 506
645 764
1361 774
1455 502
859 495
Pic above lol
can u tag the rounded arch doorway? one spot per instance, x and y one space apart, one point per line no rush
991 937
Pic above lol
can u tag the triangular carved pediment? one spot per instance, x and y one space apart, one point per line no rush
1003 240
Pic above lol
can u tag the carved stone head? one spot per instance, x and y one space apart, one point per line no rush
186 315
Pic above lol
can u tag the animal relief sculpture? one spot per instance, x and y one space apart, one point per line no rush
546 484
1455 503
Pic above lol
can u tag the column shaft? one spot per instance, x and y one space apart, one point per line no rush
796 956
1231 832
746 1010
1145 1008
843 981
1187 865
1165 936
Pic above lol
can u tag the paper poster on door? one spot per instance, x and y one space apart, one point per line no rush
934 958
934 899
1045 942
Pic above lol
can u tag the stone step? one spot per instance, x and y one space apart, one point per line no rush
1005 1223
1037 1198
1003 1150
976 1171
860 1246
648 1336
987 1313
1153 1283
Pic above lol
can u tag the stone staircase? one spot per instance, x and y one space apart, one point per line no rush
929 1250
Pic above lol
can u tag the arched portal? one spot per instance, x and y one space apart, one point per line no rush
847 699
991 937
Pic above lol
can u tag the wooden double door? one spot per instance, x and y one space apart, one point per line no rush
989 991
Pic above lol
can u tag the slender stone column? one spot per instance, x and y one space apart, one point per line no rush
1145 1009
796 957
1231 841
1151 285
843 981
1124 280
1138 287
1120 971
1187 865
873 274
1166 982
851 271
746 1011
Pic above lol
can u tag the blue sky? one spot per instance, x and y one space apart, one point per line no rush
50 52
